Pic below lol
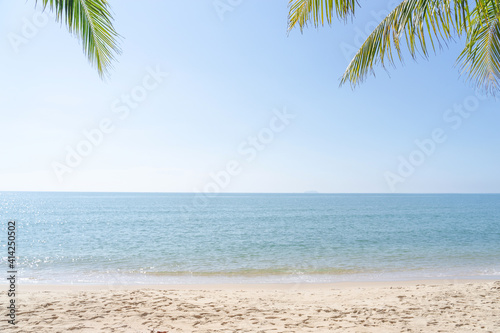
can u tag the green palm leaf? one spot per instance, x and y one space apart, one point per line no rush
481 55
424 23
91 21
302 11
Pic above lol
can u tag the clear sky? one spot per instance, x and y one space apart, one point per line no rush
210 101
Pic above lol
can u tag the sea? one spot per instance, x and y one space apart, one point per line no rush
188 238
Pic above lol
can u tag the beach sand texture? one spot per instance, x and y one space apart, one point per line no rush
424 306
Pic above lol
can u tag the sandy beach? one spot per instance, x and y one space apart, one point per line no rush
416 306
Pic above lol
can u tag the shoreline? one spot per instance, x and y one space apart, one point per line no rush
141 279
251 286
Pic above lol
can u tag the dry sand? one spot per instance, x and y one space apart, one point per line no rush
423 306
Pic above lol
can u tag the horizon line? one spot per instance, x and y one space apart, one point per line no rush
222 193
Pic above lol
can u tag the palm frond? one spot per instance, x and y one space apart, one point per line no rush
319 11
424 23
92 22
481 55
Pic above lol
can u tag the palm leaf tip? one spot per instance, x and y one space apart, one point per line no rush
319 11
92 22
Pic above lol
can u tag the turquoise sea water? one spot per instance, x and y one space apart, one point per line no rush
115 238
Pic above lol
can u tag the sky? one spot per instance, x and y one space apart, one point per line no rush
215 96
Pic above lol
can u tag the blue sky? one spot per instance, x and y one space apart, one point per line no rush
218 121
